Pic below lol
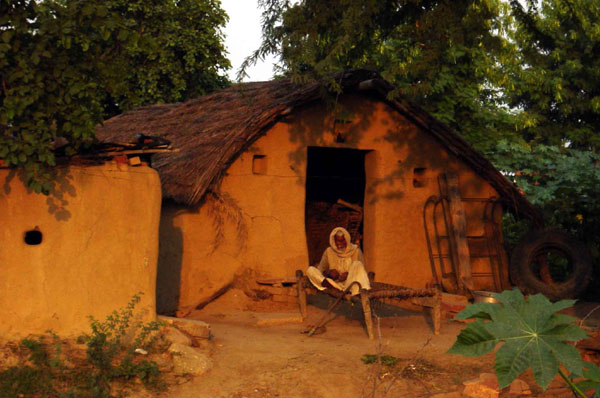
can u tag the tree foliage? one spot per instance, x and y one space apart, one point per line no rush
556 83
488 68
66 65
565 182
445 55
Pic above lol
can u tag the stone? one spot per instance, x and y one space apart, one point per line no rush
164 362
174 335
519 387
273 319
454 394
485 386
479 390
197 329
189 361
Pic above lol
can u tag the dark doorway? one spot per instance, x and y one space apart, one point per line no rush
335 192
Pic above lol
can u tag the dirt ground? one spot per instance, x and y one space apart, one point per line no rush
279 361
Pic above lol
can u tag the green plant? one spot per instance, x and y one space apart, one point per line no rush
388 360
533 334
111 349
25 381
39 376
110 357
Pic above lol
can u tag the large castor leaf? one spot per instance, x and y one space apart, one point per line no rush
532 331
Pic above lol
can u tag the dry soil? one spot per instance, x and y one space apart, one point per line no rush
279 361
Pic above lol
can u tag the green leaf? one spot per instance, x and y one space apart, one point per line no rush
477 310
532 333
592 375
474 340
544 364
7 35
512 360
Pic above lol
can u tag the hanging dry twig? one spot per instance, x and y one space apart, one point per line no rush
223 207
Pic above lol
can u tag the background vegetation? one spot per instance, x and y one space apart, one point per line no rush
67 65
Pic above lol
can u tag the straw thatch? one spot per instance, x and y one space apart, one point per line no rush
211 131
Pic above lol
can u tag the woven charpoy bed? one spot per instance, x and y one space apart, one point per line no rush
379 292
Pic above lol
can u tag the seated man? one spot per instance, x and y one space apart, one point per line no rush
342 263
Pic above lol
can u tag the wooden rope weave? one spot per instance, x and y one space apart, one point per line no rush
383 290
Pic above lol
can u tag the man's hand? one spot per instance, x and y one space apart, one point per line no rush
343 277
326 283
334 274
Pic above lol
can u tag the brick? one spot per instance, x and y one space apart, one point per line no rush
273 319
135 161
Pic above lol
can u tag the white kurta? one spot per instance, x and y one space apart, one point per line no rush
348 260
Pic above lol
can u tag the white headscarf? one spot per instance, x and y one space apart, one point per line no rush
350 248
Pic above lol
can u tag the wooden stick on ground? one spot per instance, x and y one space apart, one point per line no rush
312 330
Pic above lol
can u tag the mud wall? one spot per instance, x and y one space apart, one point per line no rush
257 221
99 247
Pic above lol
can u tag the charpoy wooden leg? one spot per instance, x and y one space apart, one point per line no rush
366 305
436 312
301 293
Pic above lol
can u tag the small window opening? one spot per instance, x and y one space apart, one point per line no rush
33 237
419 180
259 164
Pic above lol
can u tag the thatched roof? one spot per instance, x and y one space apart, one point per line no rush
211 131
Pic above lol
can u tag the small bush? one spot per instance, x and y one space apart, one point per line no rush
26 381
110 360
388 360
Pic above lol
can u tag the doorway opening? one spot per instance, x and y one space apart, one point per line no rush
335 193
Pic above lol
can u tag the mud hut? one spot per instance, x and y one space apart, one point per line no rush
265 169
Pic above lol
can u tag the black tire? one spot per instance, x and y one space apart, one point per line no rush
523 264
